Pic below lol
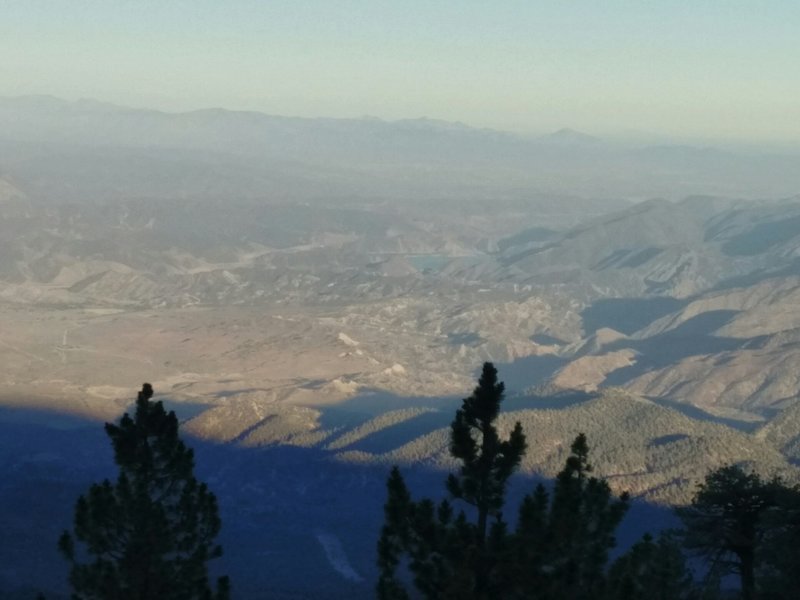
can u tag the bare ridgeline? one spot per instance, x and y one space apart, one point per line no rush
312 298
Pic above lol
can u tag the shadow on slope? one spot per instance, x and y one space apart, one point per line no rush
628 315
282 508
529 371
693 337
698 414
365 417
396 436
762 237
558 400
790 269
374 402
274 503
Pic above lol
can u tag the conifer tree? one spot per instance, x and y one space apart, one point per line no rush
395 536
150 534
558 551
651 570
486 461
726 522
563 544
780 552
531 546
449 555
583 518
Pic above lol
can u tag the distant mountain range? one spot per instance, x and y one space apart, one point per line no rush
249 154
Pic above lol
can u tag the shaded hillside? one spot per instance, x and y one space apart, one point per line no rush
654 450
690 308
297 522
783 432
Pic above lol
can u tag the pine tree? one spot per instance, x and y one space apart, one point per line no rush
558 551
651 570
487 462
726 522
448 555
584 517
563 544
395 536
150 534
531 546
779 557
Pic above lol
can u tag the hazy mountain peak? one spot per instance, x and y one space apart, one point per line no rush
433 124
571 136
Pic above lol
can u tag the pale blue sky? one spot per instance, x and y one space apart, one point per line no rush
721 69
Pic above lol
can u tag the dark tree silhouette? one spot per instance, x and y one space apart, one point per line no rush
561 546
651 570
151 533
725 522
449 555
782 542
487 461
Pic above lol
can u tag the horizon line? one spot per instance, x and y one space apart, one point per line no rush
627 135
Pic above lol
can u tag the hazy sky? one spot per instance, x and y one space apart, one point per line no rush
725 69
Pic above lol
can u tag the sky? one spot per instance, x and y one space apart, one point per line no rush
696 69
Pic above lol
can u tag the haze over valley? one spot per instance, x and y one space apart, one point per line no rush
313 297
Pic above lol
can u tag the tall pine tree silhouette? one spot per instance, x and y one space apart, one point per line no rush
487 461
726 522
449 555
151 533
653 569
562 545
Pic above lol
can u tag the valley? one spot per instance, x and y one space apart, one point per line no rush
315 321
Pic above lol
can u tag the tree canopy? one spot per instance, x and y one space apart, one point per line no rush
559 548
150 533
746 526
